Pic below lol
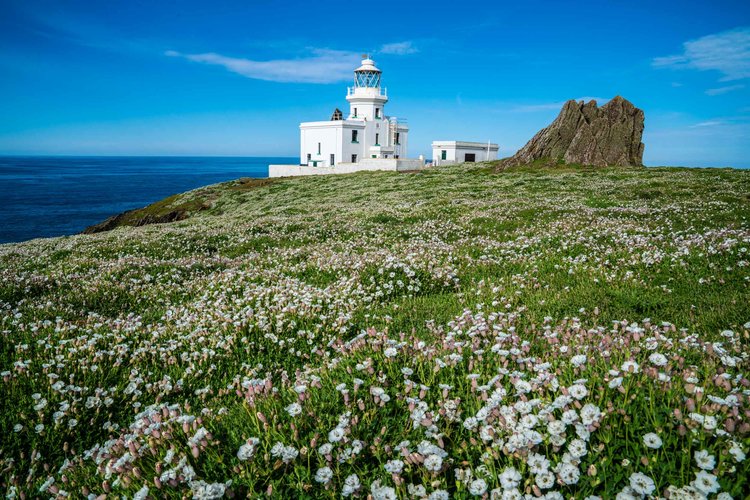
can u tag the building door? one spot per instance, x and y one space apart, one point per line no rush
332 158
470 157
354 158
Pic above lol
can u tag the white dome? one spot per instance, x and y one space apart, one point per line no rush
367 65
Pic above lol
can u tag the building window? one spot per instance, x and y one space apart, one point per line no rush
355 112
332 158
443 154
318 148
377 112
374 156
398 138
377 139
309 157
355 135
354 158
470 157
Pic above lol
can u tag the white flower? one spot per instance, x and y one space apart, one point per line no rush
652 440
433 463
478 487
615 383
141 494
390 352
706 483
49 482
205 491
470 423
627 493
286 453
323 475
416 490
510 478
590 414
736 451
577 448
336 435
325 449
658 359
704 460
641 483
569 473
556 427
522 387
545 480
578 360
578 391
382 492
439 495
569 417
247 450
351 484
630 367
294 409
396 466
537 463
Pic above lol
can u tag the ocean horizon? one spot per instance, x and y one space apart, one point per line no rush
47 196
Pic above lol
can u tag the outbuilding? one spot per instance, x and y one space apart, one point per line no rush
449 152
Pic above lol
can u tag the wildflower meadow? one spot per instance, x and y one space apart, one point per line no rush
450 333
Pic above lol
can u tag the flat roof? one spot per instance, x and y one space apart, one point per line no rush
464 144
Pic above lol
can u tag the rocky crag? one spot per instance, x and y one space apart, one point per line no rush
586 134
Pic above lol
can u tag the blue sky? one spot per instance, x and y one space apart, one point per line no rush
237 77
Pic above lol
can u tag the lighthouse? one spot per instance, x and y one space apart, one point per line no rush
365 139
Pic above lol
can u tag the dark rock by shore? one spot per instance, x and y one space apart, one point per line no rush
127 219
177 207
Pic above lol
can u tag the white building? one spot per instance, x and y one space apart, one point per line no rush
449 152
366 139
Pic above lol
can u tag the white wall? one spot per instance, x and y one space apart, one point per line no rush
346 168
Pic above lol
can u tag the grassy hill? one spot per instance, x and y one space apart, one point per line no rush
456 331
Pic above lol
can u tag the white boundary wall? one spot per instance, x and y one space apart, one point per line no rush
392 164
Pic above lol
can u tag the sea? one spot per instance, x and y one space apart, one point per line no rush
44 196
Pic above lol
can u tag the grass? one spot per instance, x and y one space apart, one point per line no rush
389 307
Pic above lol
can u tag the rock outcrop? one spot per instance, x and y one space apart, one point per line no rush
588 135
127 219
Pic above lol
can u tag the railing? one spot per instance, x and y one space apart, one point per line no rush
383 91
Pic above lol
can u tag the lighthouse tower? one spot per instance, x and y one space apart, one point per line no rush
366 98
365 139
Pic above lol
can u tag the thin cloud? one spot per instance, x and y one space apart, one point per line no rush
710 123
727 52
323 66
724 90
533 108
398 48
